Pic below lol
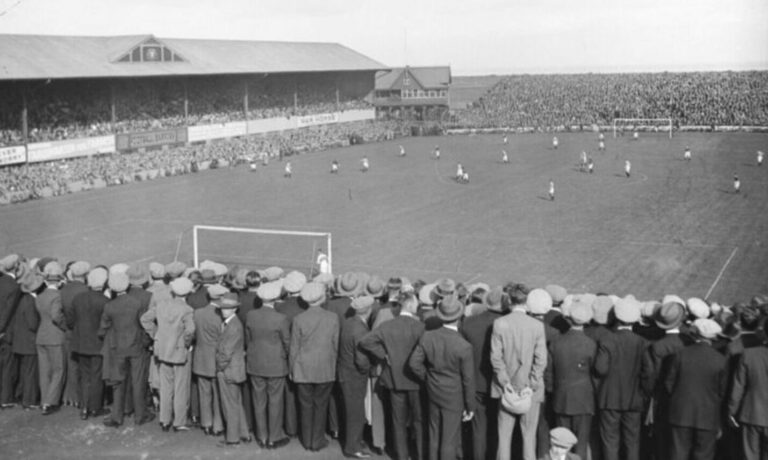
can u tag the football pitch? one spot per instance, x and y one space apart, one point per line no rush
672 227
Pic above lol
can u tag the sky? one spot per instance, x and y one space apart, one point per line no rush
477 37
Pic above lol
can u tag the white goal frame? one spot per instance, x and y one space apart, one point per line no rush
637 121
261 231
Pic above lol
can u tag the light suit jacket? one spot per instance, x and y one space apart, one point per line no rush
518 354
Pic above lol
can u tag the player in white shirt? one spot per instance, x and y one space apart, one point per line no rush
554 142
736 184
504 157
402 151
288 170
760 157
687 154
601 137
334 167
583 161
323 265
459 172
465 177
364 165
551 190
437 152
253 165
627 168
505 140
590 165
601 146
635 136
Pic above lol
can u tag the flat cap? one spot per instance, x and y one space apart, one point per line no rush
627 310
601 309
181 286
362 304
293 282
270 291
313 293
698 308
562 437
156 270
79 269
138 274
9 262
539 302
557 293
97 278
175 269
118 282
707 328
227 301
216 291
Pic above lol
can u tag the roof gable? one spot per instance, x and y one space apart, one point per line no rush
424 78
150 49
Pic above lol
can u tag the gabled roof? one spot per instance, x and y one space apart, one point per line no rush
438 77
25 57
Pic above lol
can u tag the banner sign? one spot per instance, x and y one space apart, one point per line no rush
266 125
57 150
13 155
206 132
319 119
357 115
132 141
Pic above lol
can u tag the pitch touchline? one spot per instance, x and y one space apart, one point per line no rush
720 275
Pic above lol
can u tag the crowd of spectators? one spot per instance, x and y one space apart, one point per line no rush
37 180
696 98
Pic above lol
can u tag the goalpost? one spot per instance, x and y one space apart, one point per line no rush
642 124
257 247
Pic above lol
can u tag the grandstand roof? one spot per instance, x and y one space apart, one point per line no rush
27 57
438 77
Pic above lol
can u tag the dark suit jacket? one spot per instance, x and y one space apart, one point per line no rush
569 374
696 384
353 363
555 319
207 332
656 363
749 396
477 331
52 322
198 299
230 352
392 344
84 319
248 302
121 327
68 293
618 364
342 306
290 307
10 293
598 332
268 340
25 324
444 360
314 346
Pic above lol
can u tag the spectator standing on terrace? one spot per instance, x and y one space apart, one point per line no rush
10 293
50 339
230 371
207 331
25 324
75 284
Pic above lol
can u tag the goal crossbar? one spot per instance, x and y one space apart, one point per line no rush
197 228
640 121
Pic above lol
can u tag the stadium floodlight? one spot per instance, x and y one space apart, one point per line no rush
258 247
643 125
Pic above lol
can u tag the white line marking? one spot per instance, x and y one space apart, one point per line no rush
720 275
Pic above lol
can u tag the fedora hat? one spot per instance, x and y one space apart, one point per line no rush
450 309
444 287
348 284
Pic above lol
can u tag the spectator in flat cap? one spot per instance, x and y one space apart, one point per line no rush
696 383
554 316
138 280
51 352
273 273
26 320
476 330
125 357
230 371
443 360
87 308
207 331
620 399
312 364
10 294
602 319
175 269
561 440
198 297
655 368
569 377
352 374
268 339
698 308
291 305
519 359
247 295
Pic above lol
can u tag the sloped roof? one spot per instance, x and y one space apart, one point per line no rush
428 77
47 56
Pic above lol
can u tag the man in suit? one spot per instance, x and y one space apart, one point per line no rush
620 399
138 279
74 285
748 402
124 352
50 339
10 293
352 370
443 359
268 339
207 331
696 384
290 306
477 331
172 327
83 320
519 359
230 371
312 363
25 324
392 344
561 440
569 376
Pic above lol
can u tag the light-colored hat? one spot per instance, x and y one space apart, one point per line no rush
493 299
425 294
118 282
450 309
672 298
362 304
444 287
9 262
293 282
216 291
375 287
698 308
156 270
707 328
557 293
562 437
79 269
348 284
181 286
227 301
313 293
207 264
138 274
53 271
670 315
97 278
601 309
627 310
581 311
269 292
219 269
118 268
208 276
539 302
30 282
273 273
175 269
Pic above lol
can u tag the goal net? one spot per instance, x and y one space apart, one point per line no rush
623 126
260 248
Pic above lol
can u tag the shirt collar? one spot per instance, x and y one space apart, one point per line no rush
227 321
519 309
405 313
623 328
452 327
673 331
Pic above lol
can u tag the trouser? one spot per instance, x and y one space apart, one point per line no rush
353 394
29 380
134 373
247 406
194 398
484 429
692 444
580 425
291 409
210 405
546 419
268 408
528 425
7 372
91 384
444 433
72 387
334 406
174 392
378 418
313 411
406 409
232 409
53 371
620 434
754 442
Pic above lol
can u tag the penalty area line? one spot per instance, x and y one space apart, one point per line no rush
720 275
